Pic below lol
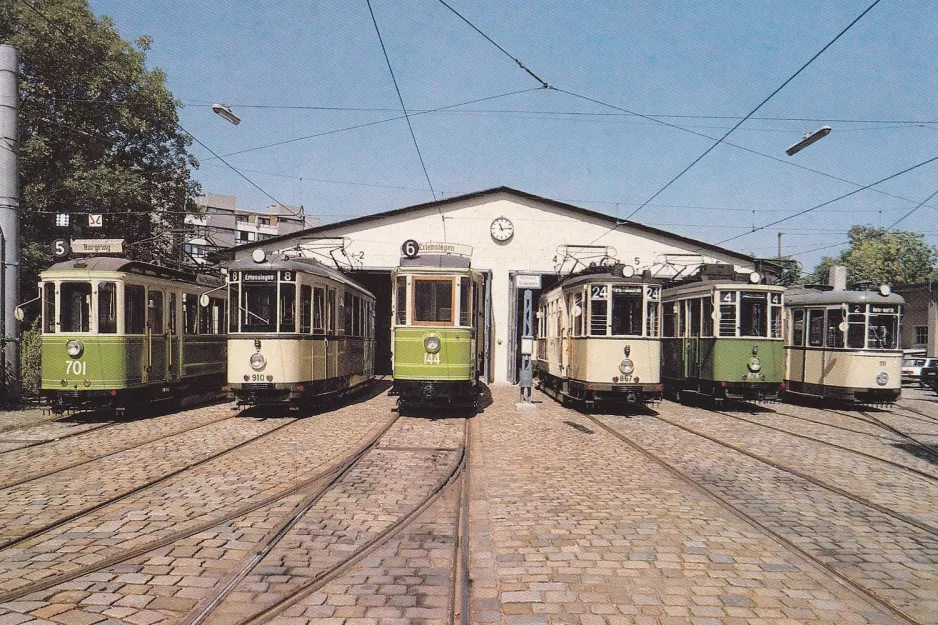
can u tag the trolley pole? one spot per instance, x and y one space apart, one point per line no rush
9 216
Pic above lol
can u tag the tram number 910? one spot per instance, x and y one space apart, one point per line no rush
76 367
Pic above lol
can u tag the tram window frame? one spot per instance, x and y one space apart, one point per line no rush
694 325
346 306
286 307
729 313
356 316
234 302
681 314
634 298
156 316
319 310
48 308
107 324
576 328
418 283
833 336
652 318
749 324
250 310
331 321
797 328
776 329
135 309
211 320
400 301
306 308
190 314
887 341
465 301
815 334
668 321
706 316
69 306
171 313
599 317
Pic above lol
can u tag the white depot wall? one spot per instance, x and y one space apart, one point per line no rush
539 230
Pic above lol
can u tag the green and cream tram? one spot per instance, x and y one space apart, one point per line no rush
722 337
437 330
844 345
598 338
118 333
298 331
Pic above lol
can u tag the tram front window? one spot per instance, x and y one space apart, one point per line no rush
753 315
433 301
882 332
288 308
258 308
627 310
48 308
75 307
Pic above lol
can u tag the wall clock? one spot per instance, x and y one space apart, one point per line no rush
502 229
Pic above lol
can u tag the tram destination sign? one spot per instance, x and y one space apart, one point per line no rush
98 246
883 309
258 276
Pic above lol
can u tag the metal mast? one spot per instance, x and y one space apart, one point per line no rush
9 216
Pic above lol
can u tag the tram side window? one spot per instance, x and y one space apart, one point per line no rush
728 313
816 328
258 308
706 317
234 301
347 313
627 310
330 312
48 309
134 309
287 307
797 328
107 308
651 328
681 313
319 310
694 306
753 314
356 316
775 308
155 304
433 301
856 328
306 303
401 300
211 320
172 314
189 313
835 336
668 320
883 331
75 307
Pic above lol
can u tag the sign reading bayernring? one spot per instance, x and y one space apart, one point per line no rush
98 246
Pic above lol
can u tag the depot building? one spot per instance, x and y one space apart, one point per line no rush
517 240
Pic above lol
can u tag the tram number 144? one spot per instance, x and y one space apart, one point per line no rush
431 359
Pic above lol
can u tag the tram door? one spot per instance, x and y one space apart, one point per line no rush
332 340
172 346
157 337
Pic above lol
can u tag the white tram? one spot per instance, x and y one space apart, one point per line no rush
298 331
844 345
599 338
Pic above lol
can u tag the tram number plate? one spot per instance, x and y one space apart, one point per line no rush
257 377
431 359
258 387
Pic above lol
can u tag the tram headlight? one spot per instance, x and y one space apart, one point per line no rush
626 366
258 361
74 348
432 344
754 365
882 379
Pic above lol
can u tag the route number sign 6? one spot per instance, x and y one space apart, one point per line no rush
410 249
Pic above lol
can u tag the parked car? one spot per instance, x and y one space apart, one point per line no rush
929 377
912 369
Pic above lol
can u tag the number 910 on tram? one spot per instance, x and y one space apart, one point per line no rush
298 331
598 338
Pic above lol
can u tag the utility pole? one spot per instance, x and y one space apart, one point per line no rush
9 218
780 244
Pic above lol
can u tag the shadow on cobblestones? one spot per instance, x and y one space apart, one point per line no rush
436 411
324 405
928 453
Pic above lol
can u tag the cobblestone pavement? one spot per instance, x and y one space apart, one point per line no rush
567 523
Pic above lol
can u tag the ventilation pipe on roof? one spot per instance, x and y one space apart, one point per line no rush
837 277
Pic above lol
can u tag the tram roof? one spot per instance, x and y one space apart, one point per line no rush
279 262
707 285
436 261
123 265
609 278
815 297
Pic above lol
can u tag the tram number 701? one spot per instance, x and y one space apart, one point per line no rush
431 359
76 367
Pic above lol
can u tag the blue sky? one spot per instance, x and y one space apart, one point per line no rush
710 61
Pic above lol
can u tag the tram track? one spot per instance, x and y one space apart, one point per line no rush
898 465
208 524
724 501
27 426
922 447
29 443
110 453
928 418
136 489
455 477
899 516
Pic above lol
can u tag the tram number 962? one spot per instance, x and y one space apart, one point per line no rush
76 367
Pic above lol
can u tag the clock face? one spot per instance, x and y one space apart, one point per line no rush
502 229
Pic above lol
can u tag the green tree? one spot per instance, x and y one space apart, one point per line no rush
98 134
882 256
791 271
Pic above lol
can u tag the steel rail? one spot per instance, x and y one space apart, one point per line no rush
192 531
842 579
